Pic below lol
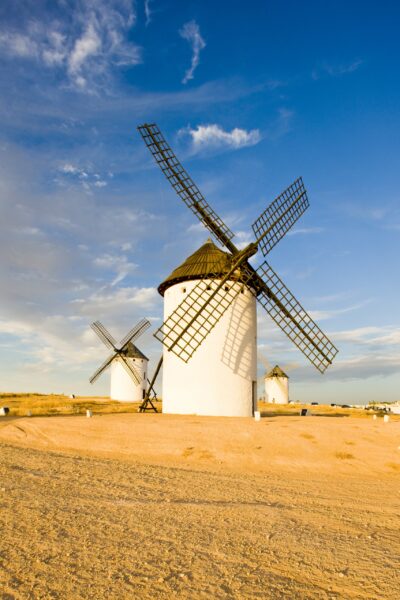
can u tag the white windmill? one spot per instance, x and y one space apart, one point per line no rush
275 380
277 386
209 329
129 366
220 378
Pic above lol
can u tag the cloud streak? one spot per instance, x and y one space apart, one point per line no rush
191 33
86 45
305 230
212 136
337 70
147 12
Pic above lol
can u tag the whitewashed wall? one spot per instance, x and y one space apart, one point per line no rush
277 390
123 387
220 378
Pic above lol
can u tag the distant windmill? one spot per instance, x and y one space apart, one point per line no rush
220 289
128 363
275 380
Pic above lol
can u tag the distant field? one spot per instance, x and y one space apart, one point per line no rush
53 404
58 404
272 410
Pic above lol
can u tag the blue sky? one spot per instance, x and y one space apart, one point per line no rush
250 96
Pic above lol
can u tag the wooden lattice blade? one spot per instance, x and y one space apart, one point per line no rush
280 216
183 184
104 334
135 332
189 324
291 317
102 368
130 369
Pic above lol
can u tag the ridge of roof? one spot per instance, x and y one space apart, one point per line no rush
134 352
276 372
207 260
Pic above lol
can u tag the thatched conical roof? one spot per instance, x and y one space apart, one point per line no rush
207 260
276 372
134 352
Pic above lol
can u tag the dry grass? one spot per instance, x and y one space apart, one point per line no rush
277 410
57 404
320 410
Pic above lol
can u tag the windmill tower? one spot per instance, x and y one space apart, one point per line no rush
129 366
277 386
225 363
201 312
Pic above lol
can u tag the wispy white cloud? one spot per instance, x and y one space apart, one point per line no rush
322 315
213 136
17 44
244 238
83 175
336 70
87 45
343 69
371 336
358 210
364 366
109 301
147 12
55 52
119 264
305 230
281 125
191 33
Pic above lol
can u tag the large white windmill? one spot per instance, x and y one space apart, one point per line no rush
209 329
129 366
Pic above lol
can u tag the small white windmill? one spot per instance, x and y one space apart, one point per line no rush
275 380
129 366
277 386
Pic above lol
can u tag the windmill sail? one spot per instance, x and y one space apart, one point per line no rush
183 184
135 332
191 322
102 368
119 350
186 328
104 335
291 317
130 369
280 216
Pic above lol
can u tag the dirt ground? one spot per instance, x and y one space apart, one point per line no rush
157 506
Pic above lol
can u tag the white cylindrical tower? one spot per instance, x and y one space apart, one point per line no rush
123 387
220 377
277 386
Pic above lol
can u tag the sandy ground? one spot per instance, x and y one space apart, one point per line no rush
155 506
